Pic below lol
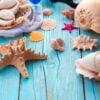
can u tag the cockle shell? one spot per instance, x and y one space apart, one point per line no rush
57 44
87 15
89 66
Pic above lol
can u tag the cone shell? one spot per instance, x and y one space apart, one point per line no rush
89 66
87 15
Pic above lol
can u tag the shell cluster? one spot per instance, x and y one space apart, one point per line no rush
83 42
14 12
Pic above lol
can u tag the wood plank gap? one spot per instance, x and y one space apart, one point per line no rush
58 64
45 80
82 76
20 77
94 90
19 87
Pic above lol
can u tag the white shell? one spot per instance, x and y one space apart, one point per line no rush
87 15
89 66
57 44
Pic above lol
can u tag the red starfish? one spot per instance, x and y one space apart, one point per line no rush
69 27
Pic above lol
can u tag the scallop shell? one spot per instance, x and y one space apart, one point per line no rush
87 15
57 44
89 66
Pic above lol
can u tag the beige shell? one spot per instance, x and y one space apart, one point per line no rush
14 12
89 66
87 15
5 19
6 4
57 44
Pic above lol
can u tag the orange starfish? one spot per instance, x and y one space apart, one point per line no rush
17 54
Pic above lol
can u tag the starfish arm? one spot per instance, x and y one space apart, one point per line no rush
70 30
4 49
31 55
38 56
75 27
20 64
2 63
72 23
64 28
65 24
5 60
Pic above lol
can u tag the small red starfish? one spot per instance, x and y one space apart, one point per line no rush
69 27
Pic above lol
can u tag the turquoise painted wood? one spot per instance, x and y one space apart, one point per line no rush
9 80
54 78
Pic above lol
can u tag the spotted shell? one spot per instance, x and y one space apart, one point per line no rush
87 15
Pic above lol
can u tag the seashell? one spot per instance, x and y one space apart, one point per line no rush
57 44
89 66
5 19
87 15
48 24
83 42
6 4
16 11
47 11
69 13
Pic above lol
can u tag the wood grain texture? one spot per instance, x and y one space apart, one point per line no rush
54 78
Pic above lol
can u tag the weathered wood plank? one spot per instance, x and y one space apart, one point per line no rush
35 85
62 81
9 79
54 79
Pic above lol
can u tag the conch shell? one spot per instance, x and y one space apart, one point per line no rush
87 15
89 66
57 44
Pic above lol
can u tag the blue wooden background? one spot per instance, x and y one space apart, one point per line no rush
54 78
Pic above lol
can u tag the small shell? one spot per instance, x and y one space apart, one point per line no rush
48 24
69 13
89 66
57 44
47 11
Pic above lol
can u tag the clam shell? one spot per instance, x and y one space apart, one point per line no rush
57 44
89 66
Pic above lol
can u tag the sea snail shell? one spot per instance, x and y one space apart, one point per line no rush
57 44
89 66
